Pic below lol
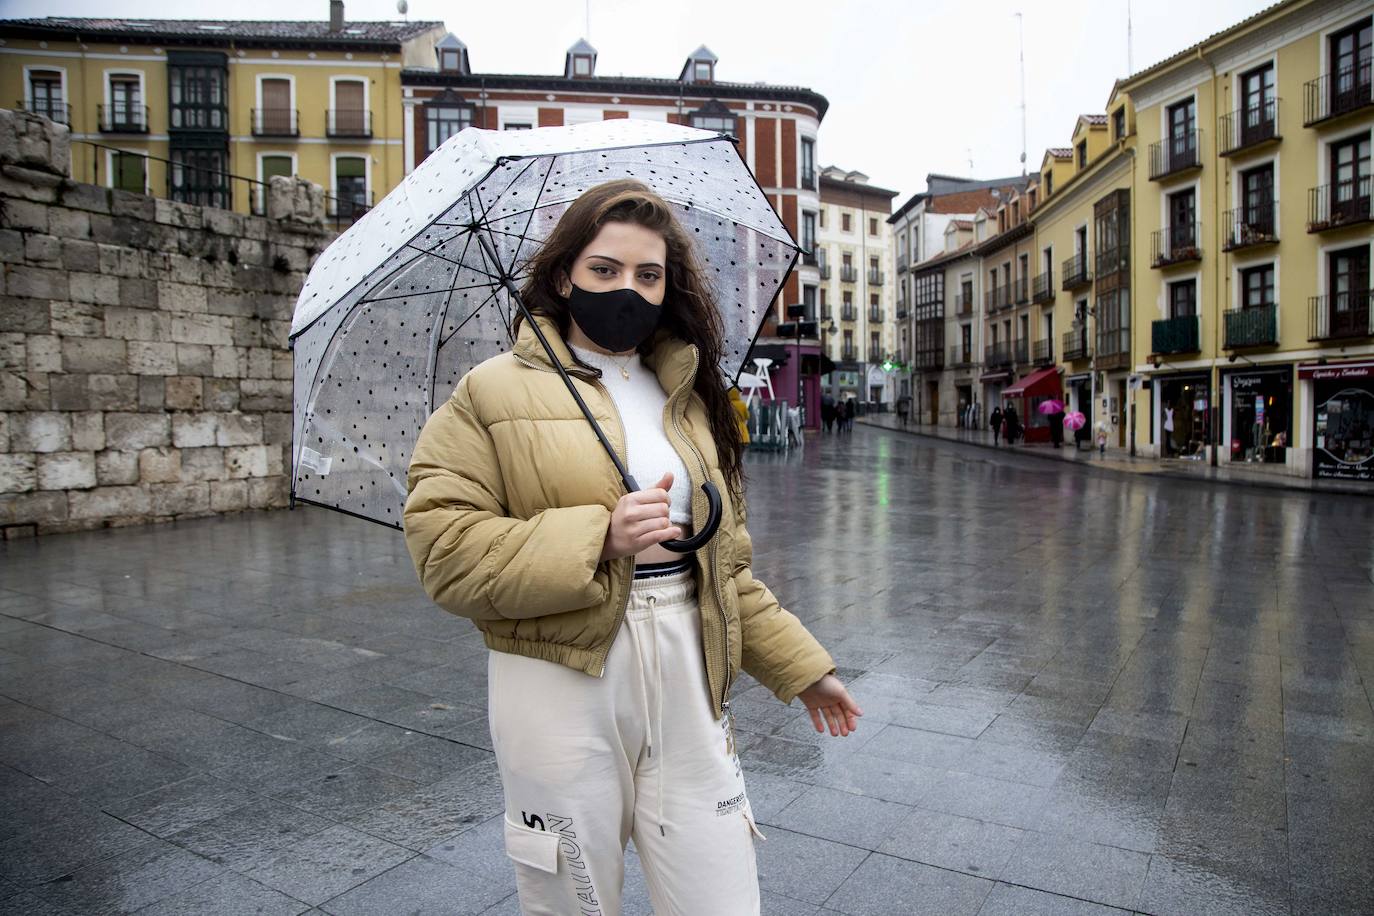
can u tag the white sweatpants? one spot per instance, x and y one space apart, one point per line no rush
588 762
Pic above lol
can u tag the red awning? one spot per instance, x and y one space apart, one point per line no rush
1044 382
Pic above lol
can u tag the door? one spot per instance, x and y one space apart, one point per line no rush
1350 180
350 119
1257 95
276 117
126 108
130 172
1350 67
1349 309
1182 138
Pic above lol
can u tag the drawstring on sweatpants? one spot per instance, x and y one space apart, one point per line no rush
656 728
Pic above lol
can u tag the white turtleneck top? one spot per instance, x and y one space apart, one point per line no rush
640 400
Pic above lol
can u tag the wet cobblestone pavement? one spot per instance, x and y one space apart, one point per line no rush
1084 694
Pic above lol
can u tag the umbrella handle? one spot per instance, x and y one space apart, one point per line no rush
705 533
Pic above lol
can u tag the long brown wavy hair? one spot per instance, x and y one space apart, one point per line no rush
689 309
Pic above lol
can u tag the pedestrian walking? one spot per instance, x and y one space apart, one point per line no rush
1013 424
1167 440
612 652
828 412
1056 422
995 421
850 409
903 409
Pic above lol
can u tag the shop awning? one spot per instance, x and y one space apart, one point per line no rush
1044 382
1357 369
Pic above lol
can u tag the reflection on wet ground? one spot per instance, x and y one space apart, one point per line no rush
1084 694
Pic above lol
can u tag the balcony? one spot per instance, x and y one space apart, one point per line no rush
1340 316
1175 155
1248 128
1113 348
275 122
963 305
849 313
1020 351
876 356
1077 273
902 261
849 354
1174 335
347 207
808 181
1042 353
122 119
875 277
1021 290
57 112
1335 206
960 356
997 298
849 274
1337 94
824 268
825 313
808 258
902 312
875 316
1042 289
997 356
1249 226
348 122
1256 326
1075 345
1175 245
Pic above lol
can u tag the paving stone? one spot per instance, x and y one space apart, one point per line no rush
327 864
948 841
887 885
1076 868
803 867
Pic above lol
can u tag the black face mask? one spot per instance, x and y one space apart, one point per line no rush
616 320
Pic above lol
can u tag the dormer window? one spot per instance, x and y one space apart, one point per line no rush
582 65
1118 124
1082 154
452 54
580 62
700 67
448 60
702 72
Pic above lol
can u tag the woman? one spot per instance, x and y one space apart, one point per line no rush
612 656
995 421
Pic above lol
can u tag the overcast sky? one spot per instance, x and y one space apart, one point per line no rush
913 87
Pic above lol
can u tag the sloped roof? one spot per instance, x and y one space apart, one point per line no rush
1224 33
1099 119
1060 152
200 30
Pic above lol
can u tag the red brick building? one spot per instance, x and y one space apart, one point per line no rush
776 126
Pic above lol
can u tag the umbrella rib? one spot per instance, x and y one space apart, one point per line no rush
471 315
538 194
443 319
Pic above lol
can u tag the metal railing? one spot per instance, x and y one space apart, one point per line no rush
849 313
1331 206
347 122
53 110
809 259
959 355
184 182
1021 351
122 119
849 274
875 356
849 354
1247 127
997 355
1075 344
875 315
902 312
1043 352
963 304
996 298
1253 326
902 261
1340 316
875 277
348 206
808 181
1174 335
1175 244
1175 154
275 122
1077 272
1021 289
1337 93
824 268
1252 225
1043 288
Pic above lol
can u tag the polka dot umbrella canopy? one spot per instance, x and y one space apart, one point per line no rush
417 291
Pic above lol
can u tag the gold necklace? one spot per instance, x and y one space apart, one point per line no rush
624 373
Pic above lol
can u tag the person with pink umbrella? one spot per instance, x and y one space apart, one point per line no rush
1053 411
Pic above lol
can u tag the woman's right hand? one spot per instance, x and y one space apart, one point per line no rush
640 520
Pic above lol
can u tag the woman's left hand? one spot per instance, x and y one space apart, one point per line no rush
827 698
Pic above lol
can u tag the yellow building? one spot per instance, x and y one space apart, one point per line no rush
1251 323
205 111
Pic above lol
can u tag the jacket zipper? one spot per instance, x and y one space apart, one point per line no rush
624 601
715 578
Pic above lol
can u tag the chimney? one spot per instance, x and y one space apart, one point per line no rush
336 15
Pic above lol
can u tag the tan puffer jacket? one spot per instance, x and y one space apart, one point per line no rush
510 499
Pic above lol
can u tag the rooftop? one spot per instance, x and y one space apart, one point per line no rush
202 30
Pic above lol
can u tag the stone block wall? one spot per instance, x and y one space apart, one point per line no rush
144 369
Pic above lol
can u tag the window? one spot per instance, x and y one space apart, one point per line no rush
272 166
809 301
847 259
808 239
45 95
873 264
1183 299
873 300
513 125
1082 154
714 116
1257 195
126 104
1257 94
443 120
1119 124
1182 213
350 186
702 71
822 217
449 59
349 117
1350 169
1049 183
129 172
808 163
825 305
844 222
873 226
1351 50
197 95
199 176
1257 286
1182 134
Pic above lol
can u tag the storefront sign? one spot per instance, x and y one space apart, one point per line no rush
1336 371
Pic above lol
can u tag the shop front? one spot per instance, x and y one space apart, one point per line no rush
1343 419
1183 416
1028 394
993 385
1259 415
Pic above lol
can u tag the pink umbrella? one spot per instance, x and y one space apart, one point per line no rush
1051 406
1074 420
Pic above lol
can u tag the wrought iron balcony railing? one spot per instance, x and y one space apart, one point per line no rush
1246 128
1340 316
998 355
849 274
1174 335
1175 245
1252 225
1175 154
1338 93
53 110
1043 352
1077 272
849 313
1254 326
275 122
1075 344
1021 290
1335 206
875 277
348 122
122 119
963 305
1043 288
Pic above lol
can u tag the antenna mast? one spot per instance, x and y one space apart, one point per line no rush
1021 41
1130 43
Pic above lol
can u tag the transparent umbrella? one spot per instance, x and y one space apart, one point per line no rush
425 286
